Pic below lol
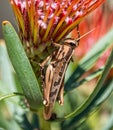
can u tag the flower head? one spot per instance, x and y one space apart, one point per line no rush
98 21
42 20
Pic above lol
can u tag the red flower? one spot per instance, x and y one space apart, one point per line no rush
101 21
42 20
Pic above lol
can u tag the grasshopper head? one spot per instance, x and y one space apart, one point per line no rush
71 42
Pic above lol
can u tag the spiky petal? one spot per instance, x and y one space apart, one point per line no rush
42 20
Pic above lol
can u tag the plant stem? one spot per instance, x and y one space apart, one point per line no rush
44 125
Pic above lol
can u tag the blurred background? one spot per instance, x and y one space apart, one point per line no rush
13 113
6 14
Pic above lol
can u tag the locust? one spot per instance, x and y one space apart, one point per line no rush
53 70
53 77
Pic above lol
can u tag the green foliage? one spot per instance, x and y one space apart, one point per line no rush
22 66
76 109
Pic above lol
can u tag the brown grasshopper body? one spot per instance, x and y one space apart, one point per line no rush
54 75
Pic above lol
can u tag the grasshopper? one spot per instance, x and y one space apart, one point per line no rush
53 81
53 74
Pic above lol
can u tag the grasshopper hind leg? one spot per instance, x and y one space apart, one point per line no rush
48 84
48 115
60 96
46 80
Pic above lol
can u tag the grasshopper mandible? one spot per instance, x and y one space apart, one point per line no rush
53 81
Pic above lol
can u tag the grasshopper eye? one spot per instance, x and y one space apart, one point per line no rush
73 43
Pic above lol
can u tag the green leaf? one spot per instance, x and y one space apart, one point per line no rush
90 77
90 59
7 83
100 93
22 66
104 93
5 69
109 123
90 101
10 95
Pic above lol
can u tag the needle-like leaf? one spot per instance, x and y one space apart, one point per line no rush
22 66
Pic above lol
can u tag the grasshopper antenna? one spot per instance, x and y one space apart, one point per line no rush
79 37
78 32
